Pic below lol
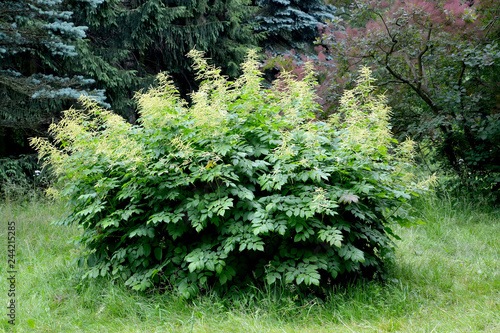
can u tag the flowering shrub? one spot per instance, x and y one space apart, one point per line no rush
240 187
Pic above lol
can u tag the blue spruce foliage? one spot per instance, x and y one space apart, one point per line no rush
37 37
292 23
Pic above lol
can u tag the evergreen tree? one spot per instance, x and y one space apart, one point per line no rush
37 40
132 40
292 23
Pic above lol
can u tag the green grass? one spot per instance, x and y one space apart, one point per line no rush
446 279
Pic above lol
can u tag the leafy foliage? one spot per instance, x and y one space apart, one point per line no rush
240 187
440 63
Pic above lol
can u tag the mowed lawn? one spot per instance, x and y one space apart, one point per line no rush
446 279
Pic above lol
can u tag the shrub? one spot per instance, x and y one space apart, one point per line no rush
241 187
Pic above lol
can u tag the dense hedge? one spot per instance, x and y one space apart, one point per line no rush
242 186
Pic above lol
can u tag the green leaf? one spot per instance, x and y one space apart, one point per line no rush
158 253
223 279
91 260
210 265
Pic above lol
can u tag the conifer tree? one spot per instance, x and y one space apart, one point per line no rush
133 40
37 40
292 23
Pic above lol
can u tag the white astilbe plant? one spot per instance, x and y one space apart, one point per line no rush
242 186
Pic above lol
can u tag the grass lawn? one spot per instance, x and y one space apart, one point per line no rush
446 279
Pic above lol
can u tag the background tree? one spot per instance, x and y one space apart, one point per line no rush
37 41
291 27
130 41
439 62
292 23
